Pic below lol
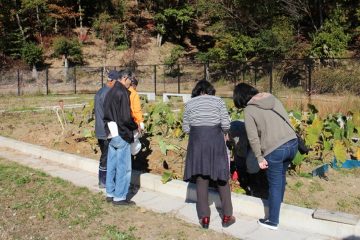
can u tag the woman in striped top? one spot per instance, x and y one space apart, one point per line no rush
207 121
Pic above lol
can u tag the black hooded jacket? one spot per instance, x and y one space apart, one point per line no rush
117 109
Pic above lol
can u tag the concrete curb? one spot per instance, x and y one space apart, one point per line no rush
291 216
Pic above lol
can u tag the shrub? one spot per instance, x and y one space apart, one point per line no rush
176 53
331 41
70 48
112 32
32 54
277 41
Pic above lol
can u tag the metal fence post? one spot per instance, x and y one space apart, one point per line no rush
271 76
47 80
308 89
178 77
255 75
75 79
205 75
18 80
155 79
243 68
102 77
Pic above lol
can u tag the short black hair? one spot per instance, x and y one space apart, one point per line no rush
243 92
134 81
203 87
125 73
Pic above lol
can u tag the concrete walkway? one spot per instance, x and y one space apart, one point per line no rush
156 200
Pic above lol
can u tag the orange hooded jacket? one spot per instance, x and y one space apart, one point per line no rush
135 106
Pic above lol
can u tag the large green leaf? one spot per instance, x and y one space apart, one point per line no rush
349 129
339 151
297 115
327 145
299 158
313 132
87 133
166 177
338 134
162 146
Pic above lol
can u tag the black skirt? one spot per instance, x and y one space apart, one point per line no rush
206 154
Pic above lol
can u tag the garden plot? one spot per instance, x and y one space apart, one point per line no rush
164 148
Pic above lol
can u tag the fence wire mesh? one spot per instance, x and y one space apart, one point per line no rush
299 75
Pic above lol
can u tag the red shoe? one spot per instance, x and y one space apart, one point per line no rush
235 176
228 220
204 222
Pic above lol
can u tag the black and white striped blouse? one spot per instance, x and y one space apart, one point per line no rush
205 110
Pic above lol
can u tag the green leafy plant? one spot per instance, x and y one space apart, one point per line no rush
328 138
32 54
331 41
70 49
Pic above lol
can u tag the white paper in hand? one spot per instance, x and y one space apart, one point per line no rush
113 129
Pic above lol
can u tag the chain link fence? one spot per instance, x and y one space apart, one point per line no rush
301 75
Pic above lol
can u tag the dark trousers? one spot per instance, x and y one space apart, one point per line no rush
202 193
104 146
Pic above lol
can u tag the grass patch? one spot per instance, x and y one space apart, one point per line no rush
113 233
37 206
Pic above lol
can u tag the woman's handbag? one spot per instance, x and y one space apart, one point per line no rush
303 149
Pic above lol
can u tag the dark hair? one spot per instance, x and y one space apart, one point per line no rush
242 94
125 73
203 87
134 81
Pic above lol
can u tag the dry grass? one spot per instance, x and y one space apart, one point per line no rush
37 206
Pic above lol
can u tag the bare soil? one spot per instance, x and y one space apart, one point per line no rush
339 192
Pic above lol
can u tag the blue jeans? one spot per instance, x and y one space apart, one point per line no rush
118 174
278 162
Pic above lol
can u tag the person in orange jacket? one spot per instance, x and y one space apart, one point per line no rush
136 113
135 104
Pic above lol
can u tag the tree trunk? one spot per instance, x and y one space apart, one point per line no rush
19 25
80 17
320 7
66 68
34 73
55 27
158 40
39 23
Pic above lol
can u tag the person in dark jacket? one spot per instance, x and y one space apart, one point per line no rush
119 125
100 125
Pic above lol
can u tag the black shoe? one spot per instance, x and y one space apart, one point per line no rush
109 199
266 223
124 203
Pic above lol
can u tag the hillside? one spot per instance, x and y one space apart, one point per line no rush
93 54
